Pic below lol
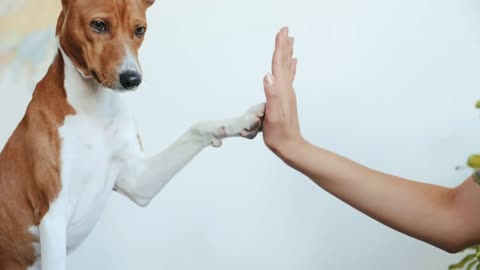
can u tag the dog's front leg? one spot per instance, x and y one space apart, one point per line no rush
142 179
53 236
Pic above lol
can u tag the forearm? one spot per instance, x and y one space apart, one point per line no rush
420 210
446 218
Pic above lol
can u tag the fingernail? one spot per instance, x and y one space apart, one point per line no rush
269 79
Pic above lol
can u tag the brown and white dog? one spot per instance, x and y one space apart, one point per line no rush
78 141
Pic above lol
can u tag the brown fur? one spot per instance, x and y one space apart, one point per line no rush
100 55
30 161
30 169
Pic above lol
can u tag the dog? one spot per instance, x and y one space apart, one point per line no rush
78 142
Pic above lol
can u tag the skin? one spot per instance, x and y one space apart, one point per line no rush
443 217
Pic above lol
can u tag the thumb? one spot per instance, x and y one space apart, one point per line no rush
273 97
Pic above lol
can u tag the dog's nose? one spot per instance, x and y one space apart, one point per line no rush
130 79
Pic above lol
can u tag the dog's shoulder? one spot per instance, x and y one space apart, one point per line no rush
30 161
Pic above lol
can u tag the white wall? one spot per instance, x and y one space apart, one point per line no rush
390 84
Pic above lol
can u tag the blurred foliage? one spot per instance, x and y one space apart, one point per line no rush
474 161
469 262
472 260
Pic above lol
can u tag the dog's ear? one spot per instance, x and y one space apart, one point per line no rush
148 3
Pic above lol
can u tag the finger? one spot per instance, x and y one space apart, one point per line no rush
286 41
279 61
291 42
285 31
273 97
293 68
278 43
278 55
282 39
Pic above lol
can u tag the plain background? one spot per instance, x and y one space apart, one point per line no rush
390 84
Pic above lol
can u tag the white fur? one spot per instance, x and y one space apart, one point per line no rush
130 62
100 152
35 231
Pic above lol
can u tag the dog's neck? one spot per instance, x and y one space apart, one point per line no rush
86 95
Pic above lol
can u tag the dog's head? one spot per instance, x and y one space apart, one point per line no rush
102 38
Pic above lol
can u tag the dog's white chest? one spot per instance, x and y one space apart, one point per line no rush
94 147
95 142
88 172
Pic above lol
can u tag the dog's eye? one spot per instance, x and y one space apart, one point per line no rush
140 31
99 26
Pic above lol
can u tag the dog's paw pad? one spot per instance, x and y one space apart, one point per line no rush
216 142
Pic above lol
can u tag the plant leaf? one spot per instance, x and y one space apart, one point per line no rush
471 265
463 262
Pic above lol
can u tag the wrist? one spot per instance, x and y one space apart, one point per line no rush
293 150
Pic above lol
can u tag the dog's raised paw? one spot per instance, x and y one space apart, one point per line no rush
251 121
247 125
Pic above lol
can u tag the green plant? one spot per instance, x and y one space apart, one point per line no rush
472 260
